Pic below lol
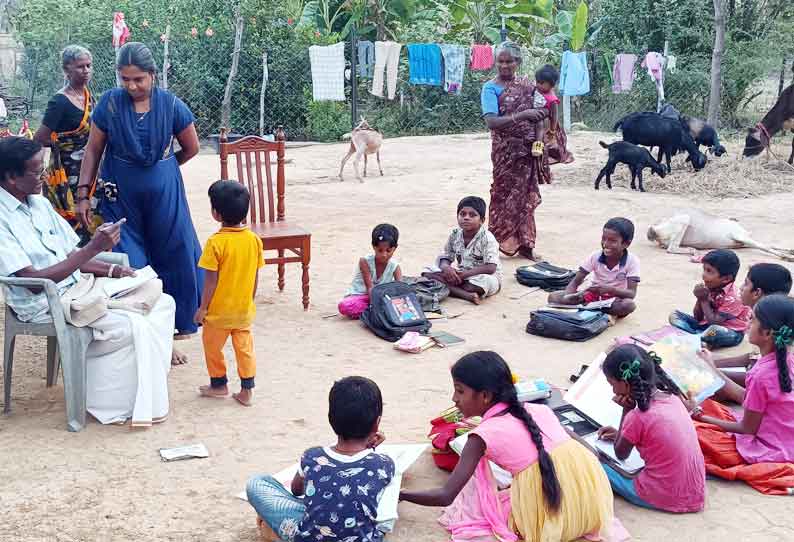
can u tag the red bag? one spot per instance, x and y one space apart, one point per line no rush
442 431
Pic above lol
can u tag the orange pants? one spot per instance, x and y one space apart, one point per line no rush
723 460
214 339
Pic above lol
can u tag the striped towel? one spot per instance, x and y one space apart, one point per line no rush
328 72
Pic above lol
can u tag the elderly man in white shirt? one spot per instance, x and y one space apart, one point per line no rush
128 361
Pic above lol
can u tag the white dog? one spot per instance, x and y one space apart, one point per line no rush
695 229
364 140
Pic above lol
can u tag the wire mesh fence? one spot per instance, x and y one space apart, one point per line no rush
274 87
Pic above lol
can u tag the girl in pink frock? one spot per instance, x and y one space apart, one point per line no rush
558 491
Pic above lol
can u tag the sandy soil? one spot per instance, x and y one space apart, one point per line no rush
107 483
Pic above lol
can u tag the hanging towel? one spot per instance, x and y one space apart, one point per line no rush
424 63
481 57
671 63
328 72
454 64
623 73
387 57
366 59
575 79
3 110
653 63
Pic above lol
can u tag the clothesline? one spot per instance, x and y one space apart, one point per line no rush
429 64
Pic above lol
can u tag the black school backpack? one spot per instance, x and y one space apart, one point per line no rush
429 292
544 275
567 325
393 311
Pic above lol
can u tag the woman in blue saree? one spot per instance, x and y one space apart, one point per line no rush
135 127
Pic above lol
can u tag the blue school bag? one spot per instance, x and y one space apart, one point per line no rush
393 311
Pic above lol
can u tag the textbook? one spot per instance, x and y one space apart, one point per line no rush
444 339
592 395
630 466
683 364
592 306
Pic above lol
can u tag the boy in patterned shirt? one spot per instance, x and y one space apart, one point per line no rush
336 492
470 264
719 316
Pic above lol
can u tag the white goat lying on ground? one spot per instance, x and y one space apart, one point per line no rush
695 229
364 140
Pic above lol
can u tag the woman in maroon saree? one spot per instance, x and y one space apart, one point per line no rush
509 113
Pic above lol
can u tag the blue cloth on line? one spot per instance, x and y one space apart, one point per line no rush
489 98
424 63
366 59
140 180
574 77
454 64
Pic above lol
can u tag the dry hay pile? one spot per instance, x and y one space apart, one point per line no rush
725 177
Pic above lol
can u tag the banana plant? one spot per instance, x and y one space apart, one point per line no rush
382 16
572 30
323 14
479 17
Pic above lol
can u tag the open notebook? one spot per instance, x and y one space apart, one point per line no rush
403 455
629 466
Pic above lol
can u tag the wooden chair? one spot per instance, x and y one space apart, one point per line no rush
253 155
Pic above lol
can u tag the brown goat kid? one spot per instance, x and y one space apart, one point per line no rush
364 140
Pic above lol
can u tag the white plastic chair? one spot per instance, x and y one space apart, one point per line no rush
66 345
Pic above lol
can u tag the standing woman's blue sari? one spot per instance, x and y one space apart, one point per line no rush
140 180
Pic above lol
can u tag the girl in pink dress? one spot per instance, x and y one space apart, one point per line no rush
558 490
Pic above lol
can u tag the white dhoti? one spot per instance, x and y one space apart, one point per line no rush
127 364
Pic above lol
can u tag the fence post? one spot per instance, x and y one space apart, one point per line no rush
660 82
353 78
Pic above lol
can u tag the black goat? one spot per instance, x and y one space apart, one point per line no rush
634 156
654 130
704 134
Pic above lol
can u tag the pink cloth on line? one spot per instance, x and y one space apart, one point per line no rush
674 477
774 441
653 63
623 73
353 306
481 57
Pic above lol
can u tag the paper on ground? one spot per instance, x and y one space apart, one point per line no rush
184 452
592 395
121 286
403 455
632 464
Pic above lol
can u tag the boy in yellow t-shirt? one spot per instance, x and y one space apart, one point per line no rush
231 260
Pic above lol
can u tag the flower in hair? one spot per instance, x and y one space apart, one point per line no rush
514 378
783 336
655 357
629 370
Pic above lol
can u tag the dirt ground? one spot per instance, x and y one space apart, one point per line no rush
108 483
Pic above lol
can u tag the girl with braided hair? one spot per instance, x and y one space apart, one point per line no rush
656 422
558 490
765 433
